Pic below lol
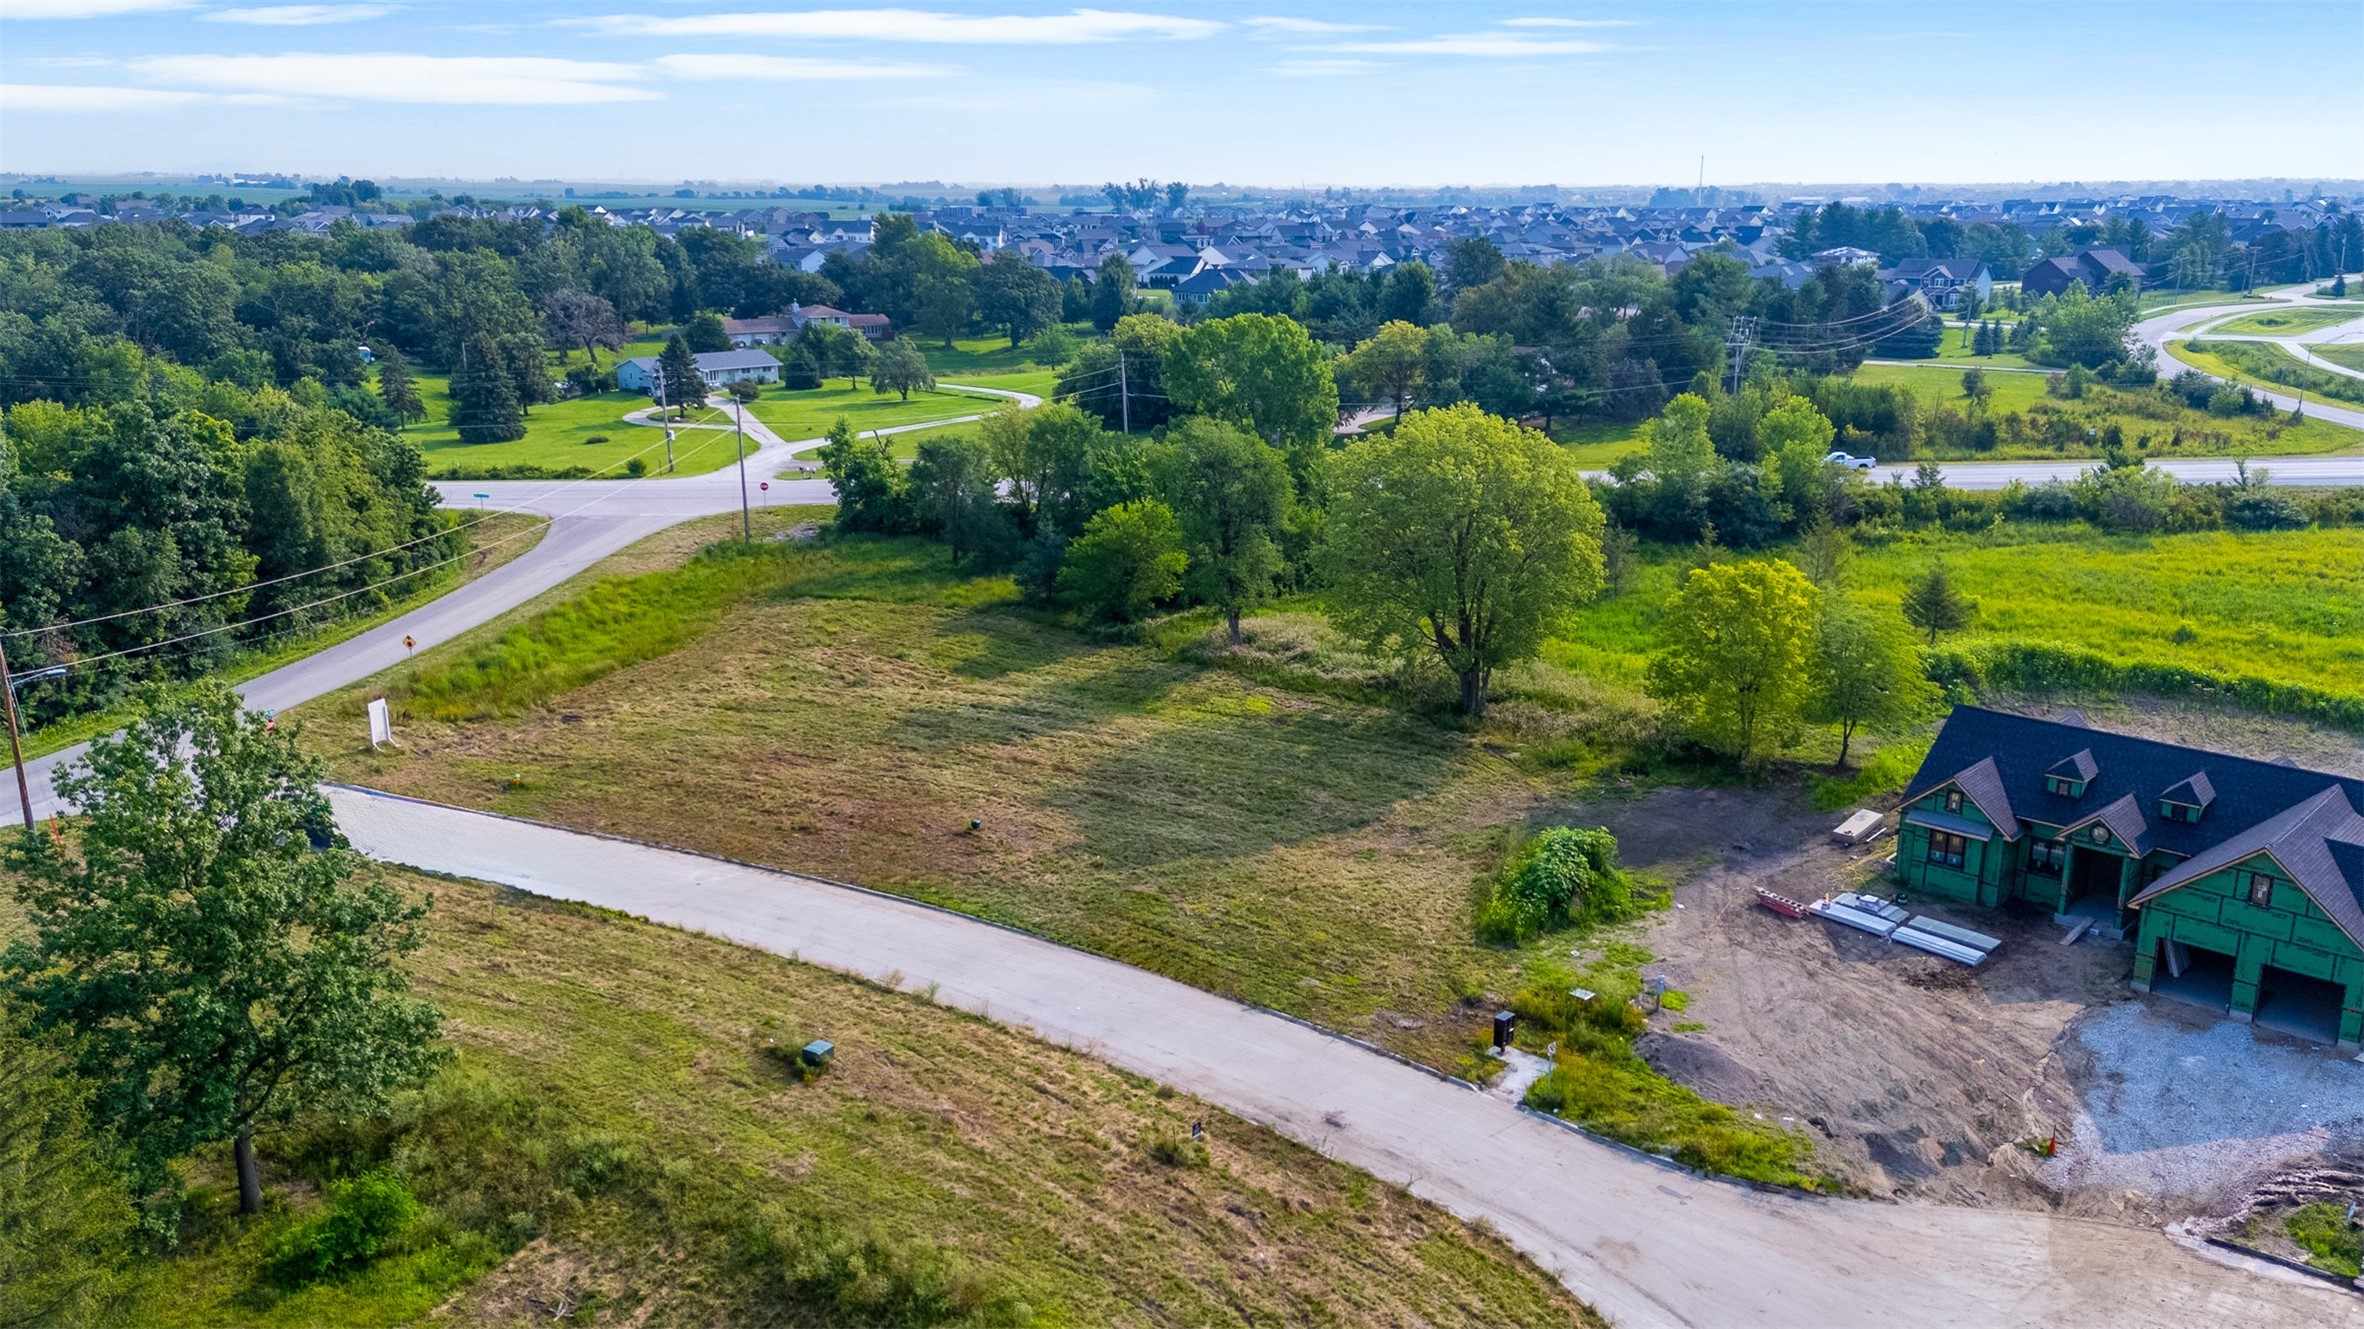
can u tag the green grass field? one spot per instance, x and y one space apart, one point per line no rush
810 414
1596 446
2267 363
1951 351
615 1141
2162 302
2349 354
2175 430
1941 385
2284 608
2280 322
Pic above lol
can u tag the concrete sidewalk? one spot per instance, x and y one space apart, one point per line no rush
1647 1243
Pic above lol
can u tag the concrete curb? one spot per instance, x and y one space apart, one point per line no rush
2355 1285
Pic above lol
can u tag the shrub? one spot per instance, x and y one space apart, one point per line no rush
1561 878
364 1218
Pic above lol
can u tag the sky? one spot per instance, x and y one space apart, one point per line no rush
1266 92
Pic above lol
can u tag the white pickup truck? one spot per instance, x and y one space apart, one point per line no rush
1851 461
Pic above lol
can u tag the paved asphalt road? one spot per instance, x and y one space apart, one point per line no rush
1646 1243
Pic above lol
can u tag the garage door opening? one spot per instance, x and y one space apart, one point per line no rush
2296 1004
2193 974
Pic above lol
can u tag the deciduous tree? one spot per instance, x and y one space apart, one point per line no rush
1731 661
1232 494
1016 296
223 961
1262 372
1864 669
1391 364
870 483
1128 559
1462 536
1112 291
900 367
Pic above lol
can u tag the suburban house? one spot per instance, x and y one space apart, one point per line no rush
2094 267
877 327
1941 281
767 331
720 369
1845 256
2241 880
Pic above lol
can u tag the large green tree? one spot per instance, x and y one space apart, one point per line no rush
222 961
900 367
1262 372
398 390
484 405
1112 291
1016 296
1863 669
1390 366
1232 494
1462 536
1731 661
680 385
870 483
1128 559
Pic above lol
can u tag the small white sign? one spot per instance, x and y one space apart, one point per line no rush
381 723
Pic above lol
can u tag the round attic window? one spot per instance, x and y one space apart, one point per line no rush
2101 835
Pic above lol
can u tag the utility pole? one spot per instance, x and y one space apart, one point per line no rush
16 748
746 522
1124 394
1743 328
665 415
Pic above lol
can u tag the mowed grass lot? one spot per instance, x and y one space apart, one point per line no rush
2175 430
2281 322
848 709
613 1133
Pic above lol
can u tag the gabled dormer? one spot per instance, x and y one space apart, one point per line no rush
2187 801
2069 776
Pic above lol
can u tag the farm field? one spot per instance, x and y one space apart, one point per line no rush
2174 429
615 1137
2280 322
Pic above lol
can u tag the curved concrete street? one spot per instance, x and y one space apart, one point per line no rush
1647 1243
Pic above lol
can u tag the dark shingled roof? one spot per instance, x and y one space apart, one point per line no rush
2307 820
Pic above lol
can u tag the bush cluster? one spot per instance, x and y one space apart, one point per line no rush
1561 878
365 1217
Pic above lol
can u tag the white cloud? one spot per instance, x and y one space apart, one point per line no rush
1324 68
1503 44
85 97
458 80
1303 26
795 68
916 25
299 16
1570 22
85 8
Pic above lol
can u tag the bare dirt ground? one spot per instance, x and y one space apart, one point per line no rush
1920 1077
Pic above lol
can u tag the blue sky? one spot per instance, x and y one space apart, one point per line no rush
1277 93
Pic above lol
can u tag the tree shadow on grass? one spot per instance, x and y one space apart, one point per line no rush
1098 692
1216 785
